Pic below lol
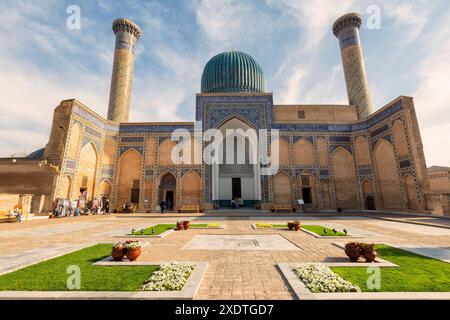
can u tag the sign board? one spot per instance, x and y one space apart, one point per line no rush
300 201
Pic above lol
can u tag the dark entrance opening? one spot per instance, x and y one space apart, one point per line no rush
134 196
307 195
236 188
370 203
169 200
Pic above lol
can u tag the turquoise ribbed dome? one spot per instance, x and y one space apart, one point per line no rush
233 71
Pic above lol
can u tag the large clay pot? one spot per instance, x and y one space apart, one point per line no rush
369 255
179 226
352 253
186 224
117 254
133 253
297 226
290 226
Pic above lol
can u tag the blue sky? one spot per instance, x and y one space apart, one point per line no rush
43 62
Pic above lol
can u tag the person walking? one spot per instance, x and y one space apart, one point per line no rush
162 205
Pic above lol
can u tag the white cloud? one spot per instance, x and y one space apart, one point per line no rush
432 97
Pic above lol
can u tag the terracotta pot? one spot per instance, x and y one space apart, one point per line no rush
133 253
297 226
186 224
369 255
117 254
352 253
179 226
290 226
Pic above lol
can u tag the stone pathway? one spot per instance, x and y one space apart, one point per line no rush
232 273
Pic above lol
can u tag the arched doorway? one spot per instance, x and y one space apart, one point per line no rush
130 168
368 194
282 188
191 188
167 190
344 179
87 172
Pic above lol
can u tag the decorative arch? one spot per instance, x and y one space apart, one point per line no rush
282 188
344 176
109 151
368 195
387 174
167 188
165 152
237 117
74 141
130 168
283 152
303 152
191 188
362 151
306 187
105 189
411 194
87 171
398 134
322 151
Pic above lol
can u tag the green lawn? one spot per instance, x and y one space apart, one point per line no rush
415 273
160 228
320 231
51 275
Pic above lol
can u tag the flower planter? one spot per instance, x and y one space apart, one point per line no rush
133 253
369 255
118 253
179 226
290 226
297 226
352 251
186 225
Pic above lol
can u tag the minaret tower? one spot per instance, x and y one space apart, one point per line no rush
127 34
346 29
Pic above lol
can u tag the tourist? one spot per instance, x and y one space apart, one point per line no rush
106 206
162 205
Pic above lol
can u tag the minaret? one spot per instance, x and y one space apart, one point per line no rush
127 34
346 29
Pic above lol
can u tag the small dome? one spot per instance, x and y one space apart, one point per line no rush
233 71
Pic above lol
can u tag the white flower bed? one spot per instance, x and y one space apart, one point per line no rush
172 276
320 278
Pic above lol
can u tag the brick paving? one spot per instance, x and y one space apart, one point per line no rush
230 274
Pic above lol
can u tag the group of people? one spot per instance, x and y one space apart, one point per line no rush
16 213
74 208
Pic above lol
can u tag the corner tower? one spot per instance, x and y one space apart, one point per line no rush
346 29
127 34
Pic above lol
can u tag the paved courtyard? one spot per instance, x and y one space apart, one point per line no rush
242 260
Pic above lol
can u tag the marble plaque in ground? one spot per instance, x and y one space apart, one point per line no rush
240 242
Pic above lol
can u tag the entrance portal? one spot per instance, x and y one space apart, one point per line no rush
370 203
169 200
167 187
236 188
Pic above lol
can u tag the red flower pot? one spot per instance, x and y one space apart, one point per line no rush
352 253
133 253
117 254
179 226
186 225
290 226
297 227
369 255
